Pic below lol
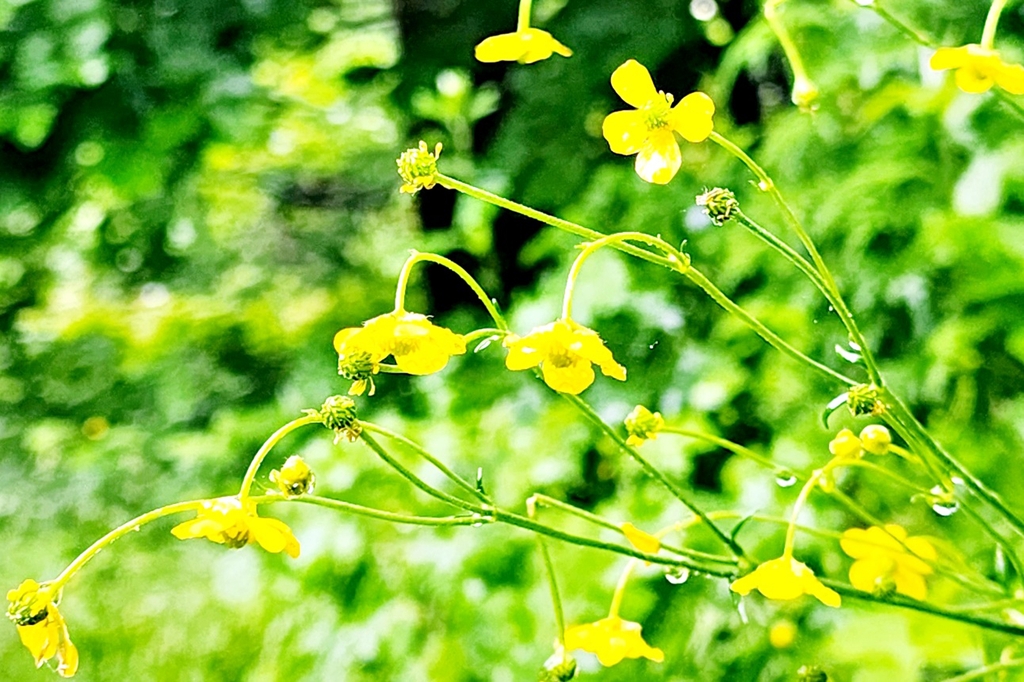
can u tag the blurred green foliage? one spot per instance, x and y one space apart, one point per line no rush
194 196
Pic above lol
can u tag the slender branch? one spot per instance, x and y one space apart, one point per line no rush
370 512
261 454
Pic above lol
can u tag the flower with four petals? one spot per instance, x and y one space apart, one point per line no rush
525 46
565 351
785 578
649 130
979 68
229 521
888 557
612 639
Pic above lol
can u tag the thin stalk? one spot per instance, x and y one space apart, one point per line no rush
422 452
736 448
523 21
556 598
999 540
654 472
620 589
988 35
370 512
417 257
261 454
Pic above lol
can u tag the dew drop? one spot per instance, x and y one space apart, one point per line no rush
946 508
741 608
831 309
785 479
677 575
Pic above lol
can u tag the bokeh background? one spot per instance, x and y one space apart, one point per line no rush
195 195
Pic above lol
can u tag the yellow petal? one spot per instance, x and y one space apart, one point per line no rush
632 82
274 536
644 542
692 117
506 47
970 80
866 574
825 595
659 159
625 131
572 379
540 45
1010 77
949 58
911 584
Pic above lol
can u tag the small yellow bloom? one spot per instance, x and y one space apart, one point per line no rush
226 521
979 68
785 578
641 540
643 425
418 346
295 478
648 130
875 439
782 634
612 639
526 47
881 559
565 351
41 627
417 167
845 445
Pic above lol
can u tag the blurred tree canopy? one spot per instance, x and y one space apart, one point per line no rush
195 196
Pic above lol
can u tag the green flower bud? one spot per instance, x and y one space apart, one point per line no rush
865 399
719 204
338 413
811 673
643 425
418 167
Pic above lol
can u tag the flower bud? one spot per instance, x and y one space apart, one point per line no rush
561 667
805 94
811 673
719 204
358 368
294 478
418 167
864 399
643 425
876 439
845 445
338 413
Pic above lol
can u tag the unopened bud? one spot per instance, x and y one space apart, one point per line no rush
719 204
876 439
418 167
338 413
865 399
294 478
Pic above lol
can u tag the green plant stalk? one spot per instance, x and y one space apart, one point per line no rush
796 62
523 21
417 257
370 512
999 539
736 448
987 670
564 225
268 445
988 34
422 452
766 184
654 472
556 598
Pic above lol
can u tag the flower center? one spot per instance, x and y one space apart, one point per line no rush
561 358
657 110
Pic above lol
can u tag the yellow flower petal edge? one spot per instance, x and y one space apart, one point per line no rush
978 69
612 639
227 521
882 560
417 345
526 47
649 130
564 350
641 540
41 627
784 579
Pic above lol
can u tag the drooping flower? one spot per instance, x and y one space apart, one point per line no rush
612 639
294 478
979 68
649 130
883 559
643 425
785 578
641 540
41 627
526 46
565 351
418 346
227 521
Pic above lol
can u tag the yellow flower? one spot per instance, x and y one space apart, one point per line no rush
41 627
612 639
526 47
226 521
979 68
643 425
845 445
782 634
294 478
641 540
785 578
417 167
648 131
418 346
565 351
881 559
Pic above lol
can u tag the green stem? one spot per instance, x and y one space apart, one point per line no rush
417 257
417 481
268 445
988 35
796 62
730 446
801 500
564 225
422 452
122 530
556 598
523 21
999 540
359 510
987 670
766 184
903 28
620 589
768 335
654 472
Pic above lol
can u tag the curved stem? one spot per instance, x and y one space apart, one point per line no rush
122 530
570 285
370 512
736 448
417 257
422 452
556 598
801 500
620 589
261 454
523 21
988 35
796 62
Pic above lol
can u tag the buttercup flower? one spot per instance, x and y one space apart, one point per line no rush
417 167
41 627
643 425
612 639
226 521
526 47
785 578
978 69
641 540
418 346
565 351
294 478
648 130
881 559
